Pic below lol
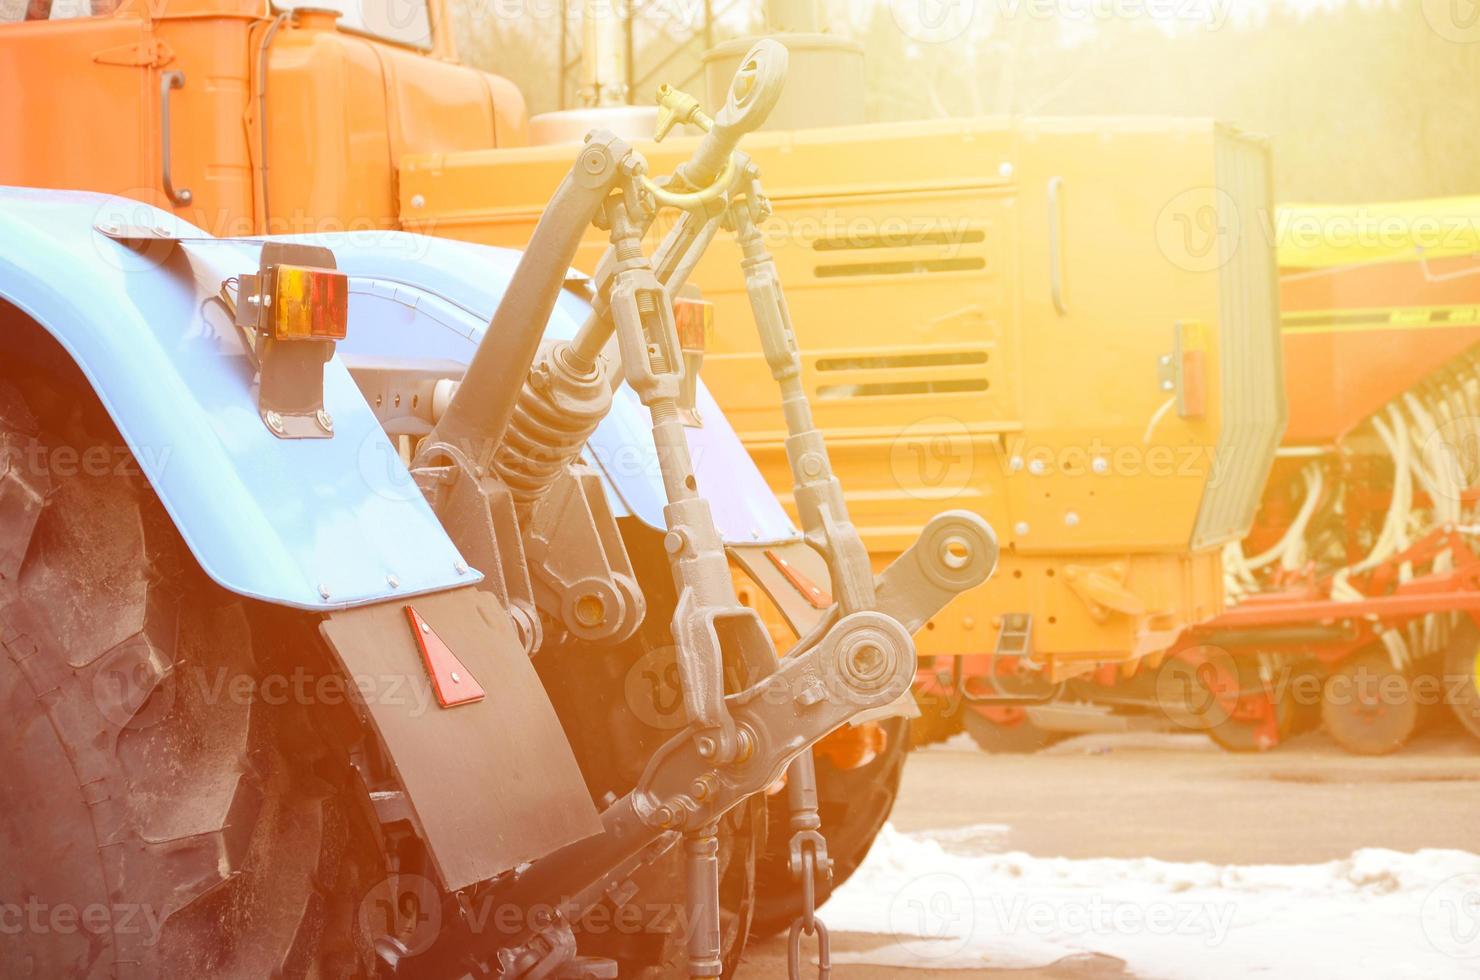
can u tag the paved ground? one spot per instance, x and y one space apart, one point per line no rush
1179 799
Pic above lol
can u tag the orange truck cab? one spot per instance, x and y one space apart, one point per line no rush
243 117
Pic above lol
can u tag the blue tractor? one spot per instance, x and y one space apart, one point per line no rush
365 602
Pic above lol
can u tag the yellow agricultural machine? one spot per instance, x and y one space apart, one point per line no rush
1057 323
1074 326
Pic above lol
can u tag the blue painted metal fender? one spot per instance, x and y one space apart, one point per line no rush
314 524
434 298
290 522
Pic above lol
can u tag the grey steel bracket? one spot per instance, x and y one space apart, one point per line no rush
865 661
582 576
479 516
956 551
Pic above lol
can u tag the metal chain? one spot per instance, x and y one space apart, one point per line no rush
807 923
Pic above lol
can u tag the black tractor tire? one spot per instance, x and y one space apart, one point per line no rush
854 805
158 822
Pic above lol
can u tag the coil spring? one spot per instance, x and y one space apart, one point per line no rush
544 436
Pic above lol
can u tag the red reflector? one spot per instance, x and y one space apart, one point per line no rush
819 598
694 319
451 681
308 303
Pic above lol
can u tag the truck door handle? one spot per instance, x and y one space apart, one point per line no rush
1055 244
167 81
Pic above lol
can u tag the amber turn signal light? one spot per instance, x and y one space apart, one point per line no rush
306 303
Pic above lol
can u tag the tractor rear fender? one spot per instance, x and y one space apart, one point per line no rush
297 523
320 524
434 298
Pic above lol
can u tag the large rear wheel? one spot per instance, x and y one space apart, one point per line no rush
161 819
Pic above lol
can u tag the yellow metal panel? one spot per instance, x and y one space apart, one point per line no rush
982 306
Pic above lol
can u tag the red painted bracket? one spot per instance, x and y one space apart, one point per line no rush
452 682
818 597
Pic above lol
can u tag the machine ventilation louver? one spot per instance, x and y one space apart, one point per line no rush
885 374
1252 378
920 253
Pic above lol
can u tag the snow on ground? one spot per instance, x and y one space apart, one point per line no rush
959 742
1097 743
954 900
1101 743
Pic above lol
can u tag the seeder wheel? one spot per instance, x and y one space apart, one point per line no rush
1010 733
1368 705
1251 718
1462 677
